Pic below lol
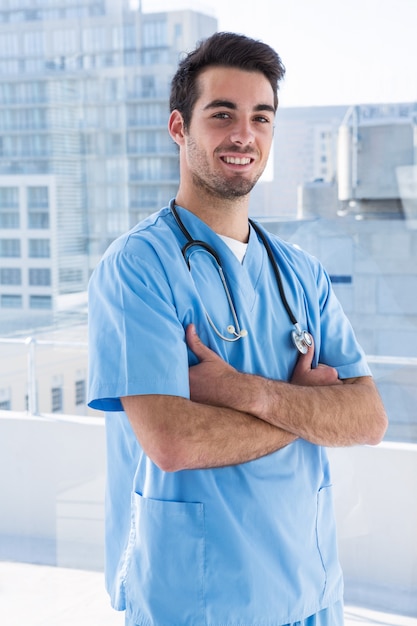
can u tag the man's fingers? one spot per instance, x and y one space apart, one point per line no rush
195 344
305 360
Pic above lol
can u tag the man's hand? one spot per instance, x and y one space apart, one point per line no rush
303 373
215 382
212 378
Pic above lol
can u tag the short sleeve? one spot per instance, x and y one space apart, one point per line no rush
136 341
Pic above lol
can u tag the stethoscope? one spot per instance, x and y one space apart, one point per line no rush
301 338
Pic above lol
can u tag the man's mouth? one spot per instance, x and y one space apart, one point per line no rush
235 160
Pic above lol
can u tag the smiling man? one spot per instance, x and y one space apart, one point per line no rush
227 143
225 365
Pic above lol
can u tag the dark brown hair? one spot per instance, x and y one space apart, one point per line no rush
227 50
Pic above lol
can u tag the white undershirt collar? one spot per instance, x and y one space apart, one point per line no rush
236 246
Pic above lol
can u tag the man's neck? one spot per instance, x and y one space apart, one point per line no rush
225 217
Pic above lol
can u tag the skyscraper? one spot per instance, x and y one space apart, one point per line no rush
84 151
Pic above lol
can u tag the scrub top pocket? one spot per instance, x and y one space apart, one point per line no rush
165 570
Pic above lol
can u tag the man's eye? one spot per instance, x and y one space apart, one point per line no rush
222 116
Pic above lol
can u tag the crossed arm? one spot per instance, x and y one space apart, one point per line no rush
234 417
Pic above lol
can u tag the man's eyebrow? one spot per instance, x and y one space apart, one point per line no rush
215 104
265 107
228 104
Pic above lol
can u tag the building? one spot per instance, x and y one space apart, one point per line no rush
374 145
316 150
84 151
304 150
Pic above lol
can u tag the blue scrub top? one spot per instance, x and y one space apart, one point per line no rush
241 545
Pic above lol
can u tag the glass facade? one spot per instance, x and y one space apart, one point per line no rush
84 102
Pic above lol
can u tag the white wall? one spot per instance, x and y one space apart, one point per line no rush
376 510
51 490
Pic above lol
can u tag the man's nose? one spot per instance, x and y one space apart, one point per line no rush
242 133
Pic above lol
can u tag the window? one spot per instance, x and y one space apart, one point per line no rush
155 34
116 38
147 114
38 219
34 65
147 86
9 67
80 392
33 43
114 143
113 116
11 301
113 89
9 45
38 207
40 302
9 197
35 91
65 41
5 399
10 276
57 397
40 276
141 142
39 248
10 248
94 39
88 143
38 197
129 36
9 219
36 145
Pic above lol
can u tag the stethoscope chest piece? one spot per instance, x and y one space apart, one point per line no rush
301 339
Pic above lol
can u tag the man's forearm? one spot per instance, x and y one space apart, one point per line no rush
329 415
179 434
315 405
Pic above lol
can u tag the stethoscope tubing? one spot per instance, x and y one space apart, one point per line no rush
301 338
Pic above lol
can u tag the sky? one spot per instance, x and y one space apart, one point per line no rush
334 51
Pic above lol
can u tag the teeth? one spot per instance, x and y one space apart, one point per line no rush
237 160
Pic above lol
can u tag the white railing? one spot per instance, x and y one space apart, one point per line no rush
33 373
32 343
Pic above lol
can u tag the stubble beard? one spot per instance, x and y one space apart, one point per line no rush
229 189
215 184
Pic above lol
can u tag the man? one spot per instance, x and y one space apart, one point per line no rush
219 505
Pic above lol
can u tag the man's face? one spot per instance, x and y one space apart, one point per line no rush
227 144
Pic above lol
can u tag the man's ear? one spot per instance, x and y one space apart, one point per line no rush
176 127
